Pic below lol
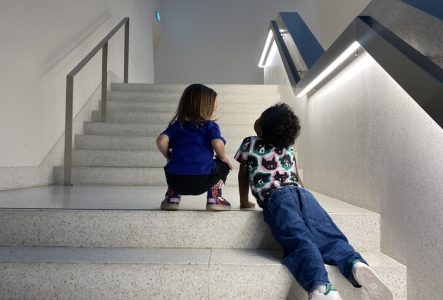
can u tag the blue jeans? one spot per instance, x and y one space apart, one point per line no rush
308 236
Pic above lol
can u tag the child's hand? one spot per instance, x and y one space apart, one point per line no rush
248 204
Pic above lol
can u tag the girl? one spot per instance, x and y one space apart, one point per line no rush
188 144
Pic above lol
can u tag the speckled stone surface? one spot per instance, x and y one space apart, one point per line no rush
379 150
76 273
164 117
90 216
422 31
178 88
133 143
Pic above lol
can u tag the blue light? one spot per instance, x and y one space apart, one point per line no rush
157 16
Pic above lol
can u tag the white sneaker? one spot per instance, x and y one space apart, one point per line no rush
373 285
324 292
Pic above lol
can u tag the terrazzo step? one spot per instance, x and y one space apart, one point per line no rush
136 117
76 273
100 216
156 106
117 176
133 143
114 129
246 89
111 158
223 98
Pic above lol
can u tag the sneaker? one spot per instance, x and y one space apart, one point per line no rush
324 292
171 201
218 204
373 285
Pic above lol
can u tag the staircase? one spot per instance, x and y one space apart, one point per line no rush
105 237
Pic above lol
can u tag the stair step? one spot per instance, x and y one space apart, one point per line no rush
150 106
132 143
224 98
100 216
245 89
111 158
91 128
81 273
134 117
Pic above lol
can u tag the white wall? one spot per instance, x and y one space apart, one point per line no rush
214 41
364 140
40 42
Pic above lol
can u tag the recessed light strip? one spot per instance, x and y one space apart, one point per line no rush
339 60
261 63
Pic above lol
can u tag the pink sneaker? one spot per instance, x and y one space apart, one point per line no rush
171 201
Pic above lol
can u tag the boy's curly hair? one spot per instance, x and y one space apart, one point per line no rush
279 126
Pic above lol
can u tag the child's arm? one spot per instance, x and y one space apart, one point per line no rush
298 176
163 145
219 148
243 187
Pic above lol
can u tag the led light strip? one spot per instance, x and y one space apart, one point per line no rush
349 51
261 63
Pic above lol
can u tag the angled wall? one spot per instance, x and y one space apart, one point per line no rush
366 141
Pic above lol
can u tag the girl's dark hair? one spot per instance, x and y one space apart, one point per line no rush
279 126
196 104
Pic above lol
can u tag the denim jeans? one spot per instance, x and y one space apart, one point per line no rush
308 236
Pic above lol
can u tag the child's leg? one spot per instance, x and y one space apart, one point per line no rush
171 201
215 200
331 242
282 211
336 250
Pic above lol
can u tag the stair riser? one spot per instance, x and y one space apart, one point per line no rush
153 159
129 281
127 106
154 130
118 176
175 97
158 229
94 142
178 89
165 117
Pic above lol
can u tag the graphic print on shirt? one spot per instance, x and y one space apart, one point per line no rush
267 191
261 179
281 176
269 164
246 145
286 162
260 148
252 163
293 177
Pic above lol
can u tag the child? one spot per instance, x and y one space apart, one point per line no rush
188 144
307 234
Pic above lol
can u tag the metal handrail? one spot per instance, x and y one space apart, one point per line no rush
103 45
420 77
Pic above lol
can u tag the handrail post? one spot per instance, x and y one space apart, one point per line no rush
104 81
103 46
68 130
126 58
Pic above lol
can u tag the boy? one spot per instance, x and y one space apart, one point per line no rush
305 231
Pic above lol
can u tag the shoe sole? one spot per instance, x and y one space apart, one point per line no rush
373 285
169 206
215 207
